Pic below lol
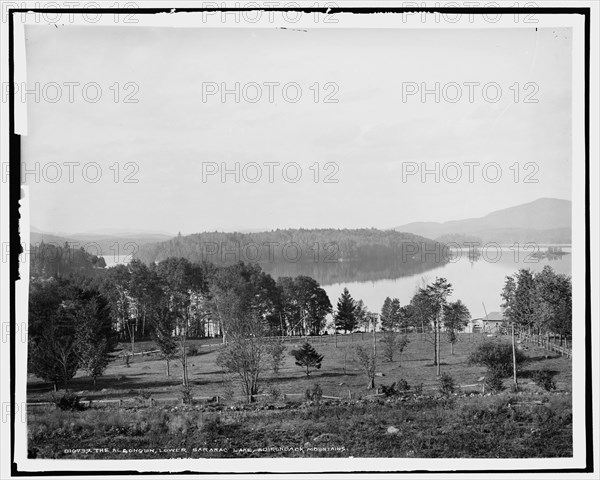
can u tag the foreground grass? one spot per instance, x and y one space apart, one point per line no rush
152 423
501 426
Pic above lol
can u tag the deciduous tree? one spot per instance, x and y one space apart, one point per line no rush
456 318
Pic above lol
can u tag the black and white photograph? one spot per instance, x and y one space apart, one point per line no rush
302 239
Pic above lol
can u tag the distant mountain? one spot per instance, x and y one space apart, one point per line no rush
546 220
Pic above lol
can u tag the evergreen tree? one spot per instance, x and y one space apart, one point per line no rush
307 356
386 314
345 318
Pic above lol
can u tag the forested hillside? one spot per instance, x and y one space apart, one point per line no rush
293 245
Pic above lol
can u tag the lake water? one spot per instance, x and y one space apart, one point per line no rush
112 260
475 282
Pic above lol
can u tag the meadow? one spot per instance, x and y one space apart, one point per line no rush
139 412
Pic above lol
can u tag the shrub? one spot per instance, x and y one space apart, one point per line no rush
308 394
418 389
447 384
402 385
497 356
544 378
389 390
186 394
212 427
274 393
69 401
493 381
315 394
192 350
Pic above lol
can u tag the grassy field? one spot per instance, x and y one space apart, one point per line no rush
152 419
147 375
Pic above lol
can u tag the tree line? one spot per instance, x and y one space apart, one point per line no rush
169 302
75 320
51 260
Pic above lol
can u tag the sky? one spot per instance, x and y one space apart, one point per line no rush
374 141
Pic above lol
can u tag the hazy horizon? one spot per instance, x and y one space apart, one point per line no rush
111 231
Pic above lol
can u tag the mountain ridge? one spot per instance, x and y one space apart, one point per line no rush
545 220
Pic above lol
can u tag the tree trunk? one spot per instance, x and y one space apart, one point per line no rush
437 351
168 367
132 346
514 356
451 348
94 381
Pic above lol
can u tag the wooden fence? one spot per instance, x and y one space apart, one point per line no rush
336 339
544 342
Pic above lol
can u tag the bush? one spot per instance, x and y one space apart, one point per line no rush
447 384
187 394
402 385
274 393
212 427
496 356
544 378
493 381
192 350
418 389
315 394
389 390
69 401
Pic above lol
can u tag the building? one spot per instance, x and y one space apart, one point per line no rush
494 323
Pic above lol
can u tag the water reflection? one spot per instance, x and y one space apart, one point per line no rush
352 271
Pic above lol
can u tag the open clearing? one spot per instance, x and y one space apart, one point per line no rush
151 421
146 376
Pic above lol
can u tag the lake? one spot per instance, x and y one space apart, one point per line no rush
475 282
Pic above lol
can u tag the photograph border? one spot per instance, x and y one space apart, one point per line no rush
16 248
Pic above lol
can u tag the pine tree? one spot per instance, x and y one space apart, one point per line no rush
307 356
386 314
345 318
